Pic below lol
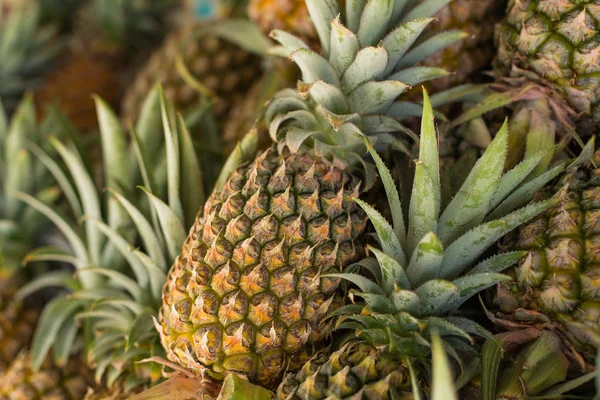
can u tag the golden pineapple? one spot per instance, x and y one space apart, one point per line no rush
557 283
20 382
246 291
249 289
225 71
85 73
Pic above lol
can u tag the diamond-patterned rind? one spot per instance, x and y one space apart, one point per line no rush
562 269
356 371
559 40
246 293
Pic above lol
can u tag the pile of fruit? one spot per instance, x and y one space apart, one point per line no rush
299 199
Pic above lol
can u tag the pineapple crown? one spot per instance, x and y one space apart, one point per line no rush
368 59
27 49
116 291
426 269
20 172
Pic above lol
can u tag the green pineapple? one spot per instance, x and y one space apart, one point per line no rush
425 271
246 292
555 43
546 74
554 286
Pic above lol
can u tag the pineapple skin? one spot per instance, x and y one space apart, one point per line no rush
558 42
354 370
17 324
20 382
85 73
246 295
560 276
223 68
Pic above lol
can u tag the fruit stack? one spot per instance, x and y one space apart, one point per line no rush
299 199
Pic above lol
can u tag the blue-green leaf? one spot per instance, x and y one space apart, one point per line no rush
472 202
369 64
466 249
374 21
498 263
375 97
387 237
344 47
425 198
314 67
426 260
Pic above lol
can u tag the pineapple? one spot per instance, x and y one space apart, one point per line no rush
554 286
546 72
424 272
19 171
107 42
471 55
68 382
17 323
223 70
247 291
556 44
118 293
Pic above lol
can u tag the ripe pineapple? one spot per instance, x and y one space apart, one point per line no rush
68 382
116 276
107 42
19 171
423 274
556 44
223 69
17 323
555 285
247 291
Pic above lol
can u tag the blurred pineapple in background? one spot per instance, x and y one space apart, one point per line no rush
217 68
469 57
109 39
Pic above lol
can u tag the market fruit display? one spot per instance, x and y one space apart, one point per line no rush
299 199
